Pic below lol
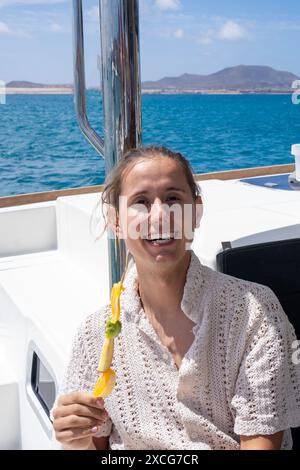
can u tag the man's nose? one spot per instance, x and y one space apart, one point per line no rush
159 211
156 208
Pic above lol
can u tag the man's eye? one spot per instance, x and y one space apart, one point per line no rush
141 201
173 198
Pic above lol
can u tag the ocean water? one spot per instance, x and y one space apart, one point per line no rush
42 149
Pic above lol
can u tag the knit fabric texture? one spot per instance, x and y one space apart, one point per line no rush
237 378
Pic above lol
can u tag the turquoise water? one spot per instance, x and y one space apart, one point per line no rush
42 149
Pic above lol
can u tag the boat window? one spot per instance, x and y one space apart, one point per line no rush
42 383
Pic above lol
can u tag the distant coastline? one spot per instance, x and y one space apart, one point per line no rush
240 79
216 92
38 91
237 80
69 91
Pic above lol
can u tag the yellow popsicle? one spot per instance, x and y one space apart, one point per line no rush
107 380
105 384
115 300
106 355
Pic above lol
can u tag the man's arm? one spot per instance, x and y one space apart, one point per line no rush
101 443
271 442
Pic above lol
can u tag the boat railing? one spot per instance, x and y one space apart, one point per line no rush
79 81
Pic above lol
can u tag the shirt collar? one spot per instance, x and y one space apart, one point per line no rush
191 299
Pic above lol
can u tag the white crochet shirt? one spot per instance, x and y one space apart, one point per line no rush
237 378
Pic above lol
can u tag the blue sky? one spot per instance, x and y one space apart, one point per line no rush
177 36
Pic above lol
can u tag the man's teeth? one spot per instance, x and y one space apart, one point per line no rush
161 239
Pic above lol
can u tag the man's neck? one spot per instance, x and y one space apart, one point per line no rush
161 292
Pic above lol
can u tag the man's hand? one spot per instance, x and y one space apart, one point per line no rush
77 418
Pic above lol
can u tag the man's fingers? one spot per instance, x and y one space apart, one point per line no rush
81 398
78 416
70 422
79 410
74 434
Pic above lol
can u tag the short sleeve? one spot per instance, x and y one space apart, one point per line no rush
267 390
80 373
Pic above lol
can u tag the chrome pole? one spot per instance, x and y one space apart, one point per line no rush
121 83
121 93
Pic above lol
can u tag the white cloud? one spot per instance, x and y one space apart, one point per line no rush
207 37
179 33
170 33
56 28
4 29
232 31
205 40
4 3
168 4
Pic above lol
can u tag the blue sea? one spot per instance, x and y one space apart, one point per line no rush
42 149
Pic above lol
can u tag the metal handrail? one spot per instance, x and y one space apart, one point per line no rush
79 81
121 93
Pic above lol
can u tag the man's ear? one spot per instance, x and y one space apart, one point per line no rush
112 220
199 210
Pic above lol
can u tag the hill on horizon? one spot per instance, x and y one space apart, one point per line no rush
230 78
26 84
240 77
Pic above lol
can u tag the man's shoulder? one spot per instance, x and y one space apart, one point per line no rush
247 297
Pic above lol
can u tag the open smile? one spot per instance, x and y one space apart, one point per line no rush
158 241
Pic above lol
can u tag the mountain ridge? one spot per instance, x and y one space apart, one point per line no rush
240 77
28 84
230 78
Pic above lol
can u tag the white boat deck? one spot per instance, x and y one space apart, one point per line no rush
53 273
244 214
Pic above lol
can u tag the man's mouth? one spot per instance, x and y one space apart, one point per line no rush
157 240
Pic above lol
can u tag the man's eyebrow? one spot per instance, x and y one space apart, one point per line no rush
168 189
138 193
176 189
